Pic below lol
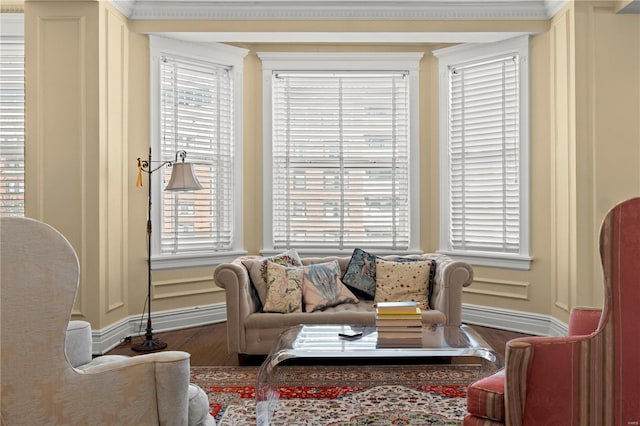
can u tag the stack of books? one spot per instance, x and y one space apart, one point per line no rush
399 324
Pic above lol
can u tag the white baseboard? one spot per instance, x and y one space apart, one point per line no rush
135 325
506 319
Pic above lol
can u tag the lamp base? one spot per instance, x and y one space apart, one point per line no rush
149 345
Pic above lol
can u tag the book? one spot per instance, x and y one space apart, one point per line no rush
400 329
400 336
398 322
410 311
397 307
410 338
416 315
389 345
392 342
402 333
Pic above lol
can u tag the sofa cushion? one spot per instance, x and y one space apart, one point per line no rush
485 397
322 288
284 289
257 269
361 313
403 281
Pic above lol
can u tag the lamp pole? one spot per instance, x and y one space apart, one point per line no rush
149 343
182 178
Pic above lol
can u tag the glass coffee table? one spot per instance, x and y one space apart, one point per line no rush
322 343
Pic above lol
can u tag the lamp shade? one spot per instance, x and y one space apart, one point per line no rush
183 178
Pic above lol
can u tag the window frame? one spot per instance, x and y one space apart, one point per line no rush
12 25
233 57
351 61
472 53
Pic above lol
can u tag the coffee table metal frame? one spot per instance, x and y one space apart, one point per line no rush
322 342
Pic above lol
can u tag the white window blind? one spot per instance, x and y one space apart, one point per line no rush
196 115
484 156
11 125
340 160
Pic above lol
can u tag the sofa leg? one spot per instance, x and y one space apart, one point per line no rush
242 359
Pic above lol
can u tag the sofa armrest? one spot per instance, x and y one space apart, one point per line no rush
451 276
240 300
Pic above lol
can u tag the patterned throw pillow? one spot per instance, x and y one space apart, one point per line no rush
284 289
258 270
360 273
403 281
322 288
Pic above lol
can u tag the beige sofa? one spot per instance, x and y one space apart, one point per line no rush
251 331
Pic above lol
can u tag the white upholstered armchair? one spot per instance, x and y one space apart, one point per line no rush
39 384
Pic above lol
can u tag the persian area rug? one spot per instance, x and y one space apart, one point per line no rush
344 395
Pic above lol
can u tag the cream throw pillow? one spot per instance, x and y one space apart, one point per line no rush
258 270
284 289
402 281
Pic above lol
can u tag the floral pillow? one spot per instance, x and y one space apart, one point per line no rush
284 289
403 281
258 269
322 288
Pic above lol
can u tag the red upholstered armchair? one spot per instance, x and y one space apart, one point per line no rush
592 376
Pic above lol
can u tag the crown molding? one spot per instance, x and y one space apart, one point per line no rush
553 6
342 37
11 6
126 7
338 9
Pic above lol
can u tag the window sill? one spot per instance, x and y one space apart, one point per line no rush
494 260
194 260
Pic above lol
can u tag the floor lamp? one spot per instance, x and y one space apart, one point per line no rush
183 178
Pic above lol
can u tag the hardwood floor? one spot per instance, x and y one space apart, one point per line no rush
208 344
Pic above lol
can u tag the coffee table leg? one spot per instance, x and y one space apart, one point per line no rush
267 393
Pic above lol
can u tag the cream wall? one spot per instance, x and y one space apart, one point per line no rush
595 104
87 121
70 182
88 108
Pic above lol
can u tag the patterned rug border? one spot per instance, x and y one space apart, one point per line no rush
344 375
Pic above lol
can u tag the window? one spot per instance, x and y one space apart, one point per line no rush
341 141
196 107
485 153
12 114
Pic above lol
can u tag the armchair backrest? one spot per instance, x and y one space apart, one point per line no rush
589 378
34 313
39 274
617 348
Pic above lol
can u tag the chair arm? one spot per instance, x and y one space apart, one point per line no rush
77 343
584 321
240 301
541 374
451 276
167 371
